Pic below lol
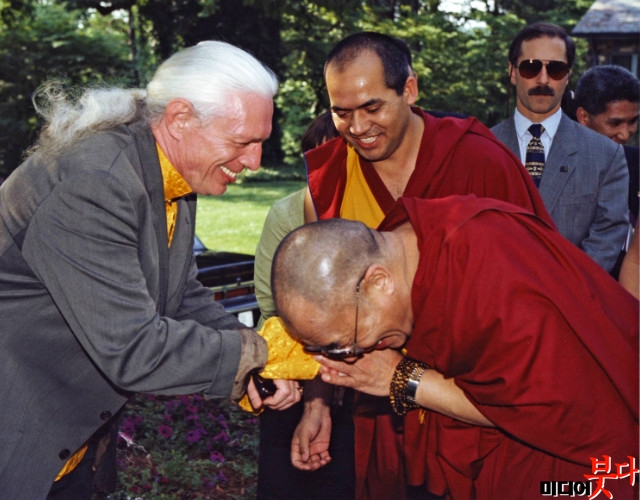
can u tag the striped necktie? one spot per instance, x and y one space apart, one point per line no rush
534 160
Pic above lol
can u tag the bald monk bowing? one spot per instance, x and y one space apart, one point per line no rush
521 352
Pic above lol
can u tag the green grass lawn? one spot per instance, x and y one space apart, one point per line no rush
233 221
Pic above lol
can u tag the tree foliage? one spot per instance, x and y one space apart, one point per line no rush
40 41
459 50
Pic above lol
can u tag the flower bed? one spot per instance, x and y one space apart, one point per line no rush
186 447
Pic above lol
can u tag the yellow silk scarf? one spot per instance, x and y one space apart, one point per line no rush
286 358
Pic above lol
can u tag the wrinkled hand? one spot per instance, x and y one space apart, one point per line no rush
310 443
371 374
287 395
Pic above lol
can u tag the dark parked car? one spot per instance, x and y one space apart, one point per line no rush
230 276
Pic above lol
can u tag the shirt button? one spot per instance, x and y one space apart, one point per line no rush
106 415
64 454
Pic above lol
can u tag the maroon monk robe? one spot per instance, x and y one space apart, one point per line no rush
457 156
542 341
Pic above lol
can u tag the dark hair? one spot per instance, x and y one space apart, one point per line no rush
538 30
393 53
321 129
602 84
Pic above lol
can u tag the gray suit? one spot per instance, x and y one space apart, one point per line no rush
583 186
94 305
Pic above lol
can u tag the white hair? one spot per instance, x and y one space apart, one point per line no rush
206 75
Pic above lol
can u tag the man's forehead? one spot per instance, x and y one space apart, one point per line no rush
537 47
311 323
248 119
622 109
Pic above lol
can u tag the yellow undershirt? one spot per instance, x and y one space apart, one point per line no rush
358 202
174 187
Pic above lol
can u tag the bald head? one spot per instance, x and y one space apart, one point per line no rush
322 263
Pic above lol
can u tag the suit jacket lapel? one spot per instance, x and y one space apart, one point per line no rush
151 175
181 250
511 137
560 164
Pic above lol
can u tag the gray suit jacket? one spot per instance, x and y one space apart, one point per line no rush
95 306
584 187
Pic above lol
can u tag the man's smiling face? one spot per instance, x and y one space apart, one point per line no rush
214 152
372 117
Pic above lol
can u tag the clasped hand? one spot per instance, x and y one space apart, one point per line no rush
287 394
371 373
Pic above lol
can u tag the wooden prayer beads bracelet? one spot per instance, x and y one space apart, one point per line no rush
404 385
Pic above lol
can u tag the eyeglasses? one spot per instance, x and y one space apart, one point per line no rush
333 350
530 68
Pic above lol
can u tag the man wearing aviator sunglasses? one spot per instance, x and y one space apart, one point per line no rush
495 378
530 68
581 176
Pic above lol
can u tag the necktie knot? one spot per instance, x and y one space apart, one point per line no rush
536 130
534 161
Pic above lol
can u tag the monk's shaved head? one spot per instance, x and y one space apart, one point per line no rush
322 263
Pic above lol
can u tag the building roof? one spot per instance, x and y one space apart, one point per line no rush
610 17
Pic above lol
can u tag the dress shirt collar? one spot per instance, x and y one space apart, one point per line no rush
550 125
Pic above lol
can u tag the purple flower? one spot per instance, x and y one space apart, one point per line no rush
165 431
172 405
193 436
216 456
222 436
222 421
128 426
192 408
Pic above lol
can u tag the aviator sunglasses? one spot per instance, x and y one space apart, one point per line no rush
530 68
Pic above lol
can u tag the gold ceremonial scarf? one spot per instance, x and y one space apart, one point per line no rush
286 359
174 187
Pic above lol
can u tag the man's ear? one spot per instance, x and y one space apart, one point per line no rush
178 115
411 89
512 74
583 117
378 278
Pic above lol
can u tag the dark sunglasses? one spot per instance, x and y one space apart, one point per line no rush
530 68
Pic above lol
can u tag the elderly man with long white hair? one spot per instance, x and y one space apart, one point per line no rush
98 295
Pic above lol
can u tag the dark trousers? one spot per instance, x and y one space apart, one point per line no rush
95 473
279 480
